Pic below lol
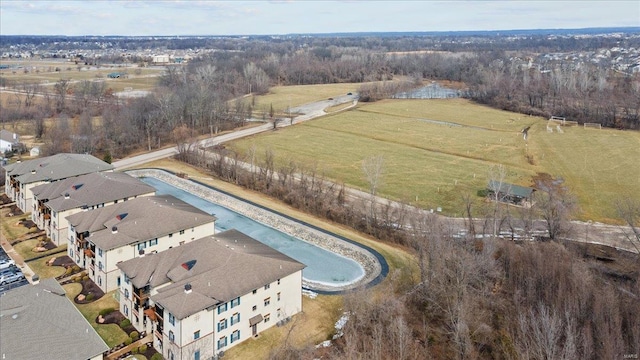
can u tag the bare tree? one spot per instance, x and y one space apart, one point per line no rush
556 205
61 87
628 209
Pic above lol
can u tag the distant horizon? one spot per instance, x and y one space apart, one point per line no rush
296 17
594 30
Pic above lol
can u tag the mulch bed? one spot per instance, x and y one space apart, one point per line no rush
28 224
4 199
15 211
115 317
88 287
64 261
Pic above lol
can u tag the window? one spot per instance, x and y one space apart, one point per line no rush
117 280
278 296
126 293
99 252
222 308
235 302
172 319
142 246
254 308
100 265
235 336
255 291
267 286
222 342
171 355
267 318
196 355
172 337
196 335
126 279
278 281
222 324
153 242
70 253
181 232
126 310
267 301
99 280
235 318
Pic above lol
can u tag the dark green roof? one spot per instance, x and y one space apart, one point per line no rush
510 189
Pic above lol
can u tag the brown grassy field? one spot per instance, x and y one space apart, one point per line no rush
436 150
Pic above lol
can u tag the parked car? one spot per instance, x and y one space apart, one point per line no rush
10 270
7 279
5 263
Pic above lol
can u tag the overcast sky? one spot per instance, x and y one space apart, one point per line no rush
192 17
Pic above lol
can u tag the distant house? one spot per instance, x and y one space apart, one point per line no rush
160 59
116 75
8 141
40 322
21 177
53 202
204 297
102 237
510 193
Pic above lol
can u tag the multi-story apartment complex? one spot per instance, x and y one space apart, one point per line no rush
53 202
206 296
22 177
101 238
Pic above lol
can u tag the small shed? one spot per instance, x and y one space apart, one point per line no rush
510 193
34 152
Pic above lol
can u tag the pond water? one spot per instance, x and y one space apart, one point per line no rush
323 266
433 91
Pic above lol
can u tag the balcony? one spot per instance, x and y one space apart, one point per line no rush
141 294
89 253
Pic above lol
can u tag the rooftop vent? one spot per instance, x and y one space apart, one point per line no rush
66 195
85 208
187 288
141 252
114 229
33 171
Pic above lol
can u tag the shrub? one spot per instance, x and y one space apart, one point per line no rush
142 349
76 279
128 341
124 323
76 268
106 311
90 296
68 271
134 335
156 356
134 350
85 278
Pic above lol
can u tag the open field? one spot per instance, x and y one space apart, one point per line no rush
283 97
437 150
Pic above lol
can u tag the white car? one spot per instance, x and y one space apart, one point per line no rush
5 263
6 279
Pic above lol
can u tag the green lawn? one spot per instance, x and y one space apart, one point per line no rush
24 248
112 334
41 268
437 150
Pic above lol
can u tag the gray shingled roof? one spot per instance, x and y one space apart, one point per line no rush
90 190
56 167
40 322
227 265
147 218
7 136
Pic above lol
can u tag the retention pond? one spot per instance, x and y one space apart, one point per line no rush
333 263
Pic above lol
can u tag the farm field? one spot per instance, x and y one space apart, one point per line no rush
437 150
284 96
